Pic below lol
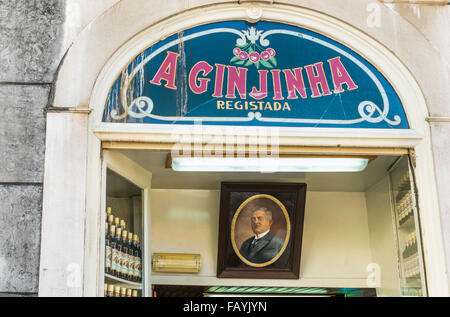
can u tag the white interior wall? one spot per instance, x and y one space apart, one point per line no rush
335 250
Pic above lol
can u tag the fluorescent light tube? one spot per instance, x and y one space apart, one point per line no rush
268 164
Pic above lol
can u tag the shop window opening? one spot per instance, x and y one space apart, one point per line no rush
361 233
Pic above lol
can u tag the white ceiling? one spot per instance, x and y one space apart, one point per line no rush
166 178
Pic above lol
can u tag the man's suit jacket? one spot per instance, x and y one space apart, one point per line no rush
264 250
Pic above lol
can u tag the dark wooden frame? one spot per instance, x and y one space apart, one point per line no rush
296 220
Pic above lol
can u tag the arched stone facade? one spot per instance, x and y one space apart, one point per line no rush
110 41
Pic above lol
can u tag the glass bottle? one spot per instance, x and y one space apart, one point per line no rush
110 245
125 256
137 254
116 254
131 258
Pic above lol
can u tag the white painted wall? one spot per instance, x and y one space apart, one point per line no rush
60 271
336 246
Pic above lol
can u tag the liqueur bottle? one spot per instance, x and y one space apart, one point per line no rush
111 251
117 222
116 291
125 256
110 220
136 260
129 290
122 225
105 294
137 254
131 258
116 254
406 250
123 292
406 253
134 294
411 256
110 290
108 265
108 211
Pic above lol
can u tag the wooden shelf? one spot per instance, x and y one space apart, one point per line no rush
121 282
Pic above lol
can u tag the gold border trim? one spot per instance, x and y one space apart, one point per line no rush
288 231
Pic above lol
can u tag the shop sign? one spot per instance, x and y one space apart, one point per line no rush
261 74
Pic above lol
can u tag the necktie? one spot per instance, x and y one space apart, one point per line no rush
254 242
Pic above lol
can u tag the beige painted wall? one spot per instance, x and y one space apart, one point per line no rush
335 238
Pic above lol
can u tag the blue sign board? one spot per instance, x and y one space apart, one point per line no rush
253 74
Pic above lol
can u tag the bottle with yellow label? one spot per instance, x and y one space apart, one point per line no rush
116 291
116 254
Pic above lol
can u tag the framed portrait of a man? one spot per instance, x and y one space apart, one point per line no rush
260 231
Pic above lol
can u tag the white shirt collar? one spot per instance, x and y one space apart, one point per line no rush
259 236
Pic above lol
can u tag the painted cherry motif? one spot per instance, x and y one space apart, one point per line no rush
271 51
243 56
265 56
253 53
254 57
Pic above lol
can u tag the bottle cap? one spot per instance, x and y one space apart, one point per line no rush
135 237
112 229
117 220
118 231
130 235
108 210
124 234
110 218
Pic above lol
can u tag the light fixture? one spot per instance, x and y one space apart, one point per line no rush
176 263
269 164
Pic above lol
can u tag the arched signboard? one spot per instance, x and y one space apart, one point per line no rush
260 74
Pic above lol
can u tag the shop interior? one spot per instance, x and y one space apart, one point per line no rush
360 234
